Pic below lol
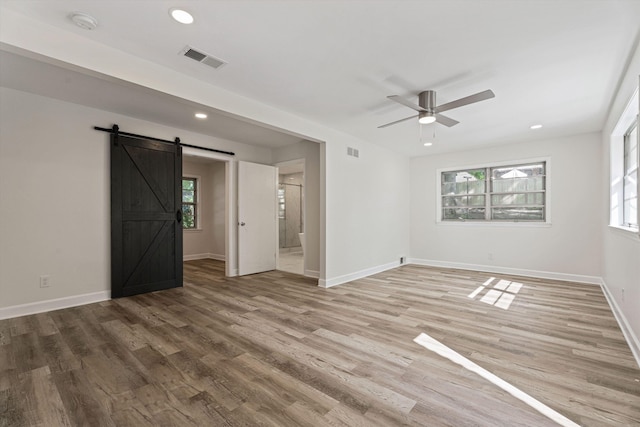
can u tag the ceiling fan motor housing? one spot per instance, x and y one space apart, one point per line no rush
427 100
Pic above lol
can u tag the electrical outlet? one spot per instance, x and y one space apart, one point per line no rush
403 260
490 256
45 281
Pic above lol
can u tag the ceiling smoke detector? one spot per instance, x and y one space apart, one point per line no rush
84 21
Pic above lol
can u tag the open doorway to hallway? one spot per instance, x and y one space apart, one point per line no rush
291 216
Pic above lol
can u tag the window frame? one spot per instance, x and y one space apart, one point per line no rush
487 221
196 203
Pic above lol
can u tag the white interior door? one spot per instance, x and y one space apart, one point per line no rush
257 222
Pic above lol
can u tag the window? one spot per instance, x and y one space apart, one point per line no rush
189 203
630 187
623 156
495 193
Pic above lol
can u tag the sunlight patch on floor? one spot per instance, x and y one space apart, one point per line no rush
437 347
501 295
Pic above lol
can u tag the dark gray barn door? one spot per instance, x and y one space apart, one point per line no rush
146 228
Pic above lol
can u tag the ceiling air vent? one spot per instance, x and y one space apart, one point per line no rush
209 60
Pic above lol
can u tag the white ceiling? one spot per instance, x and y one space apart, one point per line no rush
553 62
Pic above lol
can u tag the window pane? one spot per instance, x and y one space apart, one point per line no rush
187 196
448 201
454 201
188 216
188 184
518 199
519 178
518 171
476 213
463 182
518 214
515 185
463 213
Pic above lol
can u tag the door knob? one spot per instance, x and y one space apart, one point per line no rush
242 224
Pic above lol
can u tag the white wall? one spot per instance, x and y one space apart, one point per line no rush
54 194
621 265
367 210
310 152
208 239
570 248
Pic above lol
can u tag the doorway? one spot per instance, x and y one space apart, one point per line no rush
212 236
291 216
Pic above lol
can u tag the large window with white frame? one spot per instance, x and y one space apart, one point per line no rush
495 193
625 159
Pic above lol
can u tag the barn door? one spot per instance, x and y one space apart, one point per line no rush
146 216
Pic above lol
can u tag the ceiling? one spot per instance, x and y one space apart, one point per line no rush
555 62
61 81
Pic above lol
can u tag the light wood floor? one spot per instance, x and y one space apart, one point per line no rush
273 349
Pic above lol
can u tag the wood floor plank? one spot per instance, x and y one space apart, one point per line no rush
273 349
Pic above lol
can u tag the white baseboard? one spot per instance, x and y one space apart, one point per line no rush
53 304
592 280
327 283
629 335
193 257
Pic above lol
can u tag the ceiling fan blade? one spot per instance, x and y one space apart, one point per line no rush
397 121
444 120
401 100
481 96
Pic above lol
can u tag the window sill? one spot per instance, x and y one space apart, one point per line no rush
192 230
629 233
495 224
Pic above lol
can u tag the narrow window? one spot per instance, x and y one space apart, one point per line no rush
189 203
630 187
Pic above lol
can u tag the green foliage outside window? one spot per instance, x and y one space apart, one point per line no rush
189 203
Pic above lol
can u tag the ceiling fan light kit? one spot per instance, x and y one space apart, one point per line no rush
426 118
429 112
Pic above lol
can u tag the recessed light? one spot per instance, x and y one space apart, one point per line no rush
182 16
428 144
84 21
201 115
536 126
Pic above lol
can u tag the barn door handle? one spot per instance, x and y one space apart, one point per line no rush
179 216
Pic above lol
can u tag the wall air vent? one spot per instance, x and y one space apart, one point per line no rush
203 58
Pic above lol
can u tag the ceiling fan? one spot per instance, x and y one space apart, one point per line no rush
428 112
